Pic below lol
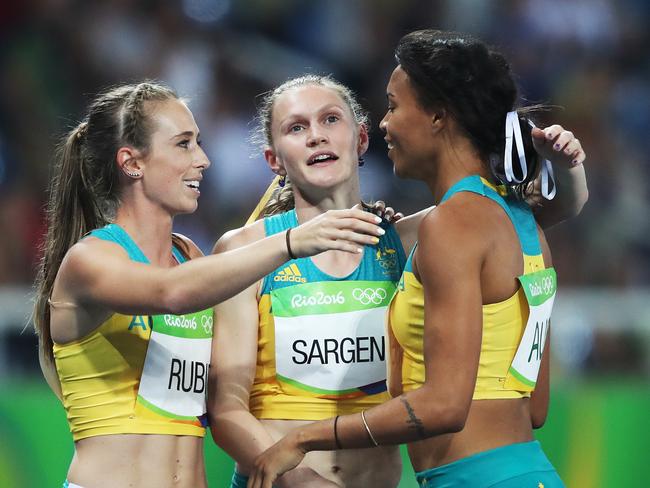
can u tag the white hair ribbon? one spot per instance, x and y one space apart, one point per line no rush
513 131
546 175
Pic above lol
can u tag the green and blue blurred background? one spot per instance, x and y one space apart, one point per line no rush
589 57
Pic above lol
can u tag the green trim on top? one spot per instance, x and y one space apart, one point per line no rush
521 378
313 389
164 413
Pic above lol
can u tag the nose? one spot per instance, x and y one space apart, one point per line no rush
202 160
384 122
316 136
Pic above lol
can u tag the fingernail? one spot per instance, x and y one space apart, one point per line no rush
375 240
557 146
549 136
378 220
359 250
574 162
381 231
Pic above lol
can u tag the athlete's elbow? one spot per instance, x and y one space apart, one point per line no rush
454 418
538 419
175 299
447 417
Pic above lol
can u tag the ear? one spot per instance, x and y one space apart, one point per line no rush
438 120
274 162
129 162
363 140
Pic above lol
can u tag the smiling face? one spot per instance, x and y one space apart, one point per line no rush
172 169
315 139
409 129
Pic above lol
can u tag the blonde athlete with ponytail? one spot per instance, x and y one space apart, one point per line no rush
307 342
123 309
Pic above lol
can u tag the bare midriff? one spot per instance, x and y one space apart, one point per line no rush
378 467
490 424
139 460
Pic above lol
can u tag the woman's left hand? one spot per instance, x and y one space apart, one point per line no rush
559 146
275 461
386 213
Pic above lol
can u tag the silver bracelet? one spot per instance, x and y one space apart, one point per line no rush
372 438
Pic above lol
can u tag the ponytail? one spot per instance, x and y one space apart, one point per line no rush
72 211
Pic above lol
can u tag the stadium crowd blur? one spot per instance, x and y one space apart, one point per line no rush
589 57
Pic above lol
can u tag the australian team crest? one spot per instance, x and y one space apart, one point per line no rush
386 257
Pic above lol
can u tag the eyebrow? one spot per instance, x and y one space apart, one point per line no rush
187 133
300 116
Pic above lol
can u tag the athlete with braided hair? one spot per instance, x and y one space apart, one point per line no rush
123 307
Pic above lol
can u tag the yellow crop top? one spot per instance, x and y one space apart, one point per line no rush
503 322
321 341
137 374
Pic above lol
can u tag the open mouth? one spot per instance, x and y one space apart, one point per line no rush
193 184
325 157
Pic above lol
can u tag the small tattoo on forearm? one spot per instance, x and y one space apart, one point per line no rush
415 423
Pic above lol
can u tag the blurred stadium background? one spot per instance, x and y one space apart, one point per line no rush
588 56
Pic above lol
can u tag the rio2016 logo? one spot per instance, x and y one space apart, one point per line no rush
369 295
545 286
180 321
320 298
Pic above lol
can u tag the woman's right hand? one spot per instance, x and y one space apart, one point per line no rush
343 230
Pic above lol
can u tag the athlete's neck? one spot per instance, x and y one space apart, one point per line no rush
310 206
456 161
150 230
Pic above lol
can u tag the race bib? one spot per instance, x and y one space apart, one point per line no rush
540 288
175 374
329 337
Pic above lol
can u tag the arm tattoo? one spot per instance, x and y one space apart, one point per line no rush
415 423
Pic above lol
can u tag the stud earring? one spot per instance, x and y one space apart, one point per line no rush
282 181
132 174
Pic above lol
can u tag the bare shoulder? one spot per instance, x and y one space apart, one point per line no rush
88 259
462 221
192 248
242 236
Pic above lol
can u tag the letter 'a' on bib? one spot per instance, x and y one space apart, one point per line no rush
540 288
175 374
329 337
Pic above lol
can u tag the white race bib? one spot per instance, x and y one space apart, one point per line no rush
329 337
540 288
175 374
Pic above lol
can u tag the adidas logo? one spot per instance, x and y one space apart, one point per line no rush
290 273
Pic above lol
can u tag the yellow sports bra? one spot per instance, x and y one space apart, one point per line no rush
512 344
137 374
321 343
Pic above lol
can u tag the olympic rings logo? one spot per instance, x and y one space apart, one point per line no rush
206 322
388 264
369 295
547 285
